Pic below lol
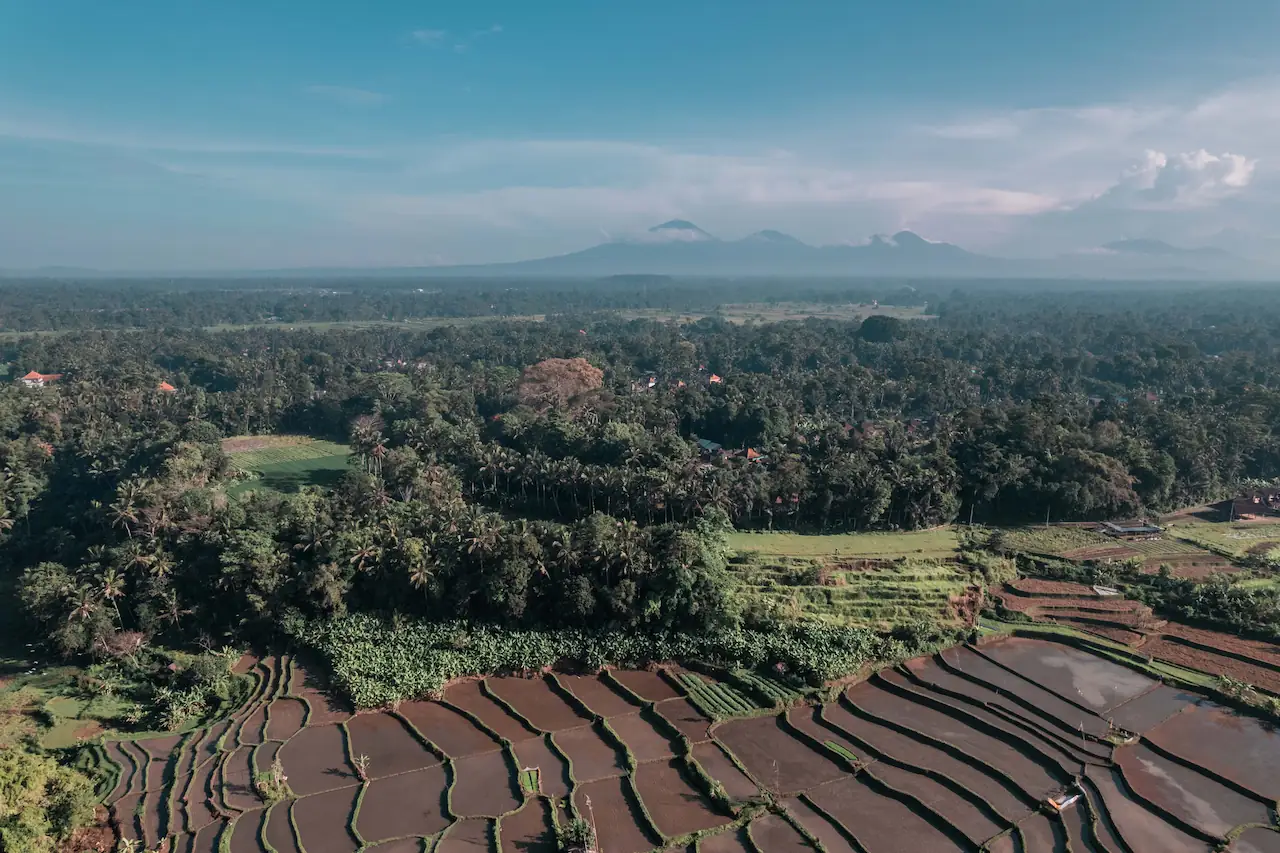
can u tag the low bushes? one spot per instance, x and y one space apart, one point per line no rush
376 663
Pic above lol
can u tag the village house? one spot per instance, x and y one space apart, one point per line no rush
1252 506
1136 531
39 380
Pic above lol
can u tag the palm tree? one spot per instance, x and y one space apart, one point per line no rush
172 611
123 512
84 607
112 589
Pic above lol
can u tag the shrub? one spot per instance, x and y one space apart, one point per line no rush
575 836
376 663
41 802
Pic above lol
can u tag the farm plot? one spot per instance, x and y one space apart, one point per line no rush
1006 802
451 732
590 755
1055 541
820 826
775 757
534 700
387 746
676 806
953 752
411 804
619 819
938 543
285 463
596 694
737 785
323 819
1238 539
1075 675
1206 660
529 830
1229 745
646 684
484 785
685 717
1191 796
642 738
772 833
979 748
469 697
875 819
716 699
552 771
854 592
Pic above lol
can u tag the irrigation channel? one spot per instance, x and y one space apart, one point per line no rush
1015 745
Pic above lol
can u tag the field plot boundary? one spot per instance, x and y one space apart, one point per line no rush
996 774
878 755
1064 732
1166 814
1052 767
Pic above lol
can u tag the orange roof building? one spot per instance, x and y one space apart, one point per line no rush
39 380
715 380
166 388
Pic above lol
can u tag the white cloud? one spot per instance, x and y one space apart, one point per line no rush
1030 181
461 43
1191 179
431 37
348 96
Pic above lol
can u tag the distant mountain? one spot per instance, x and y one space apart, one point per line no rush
680 247
776 238
680 231
1144 246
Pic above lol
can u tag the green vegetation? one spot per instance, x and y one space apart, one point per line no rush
715 698
880 595
485 507
939 543
41 802
144 690
376 662
1055 540
773 691
271 784
286 463
1237 539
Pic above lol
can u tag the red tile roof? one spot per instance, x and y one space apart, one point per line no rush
165 386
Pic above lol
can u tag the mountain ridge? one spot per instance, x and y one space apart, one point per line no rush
680 247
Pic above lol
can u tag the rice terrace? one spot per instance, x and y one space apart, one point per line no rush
1012 744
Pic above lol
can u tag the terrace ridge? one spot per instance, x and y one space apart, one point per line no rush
1006 781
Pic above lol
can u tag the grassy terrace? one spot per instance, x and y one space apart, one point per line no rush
822 577
1238 539
924 544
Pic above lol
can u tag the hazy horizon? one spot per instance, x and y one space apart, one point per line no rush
262 136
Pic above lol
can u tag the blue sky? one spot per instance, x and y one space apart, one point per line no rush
150 135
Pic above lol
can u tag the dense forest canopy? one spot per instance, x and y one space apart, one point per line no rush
581 470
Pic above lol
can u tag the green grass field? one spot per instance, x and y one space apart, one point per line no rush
1238 539
1053 540
903 592
923 544
777 312
286 463
796 576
